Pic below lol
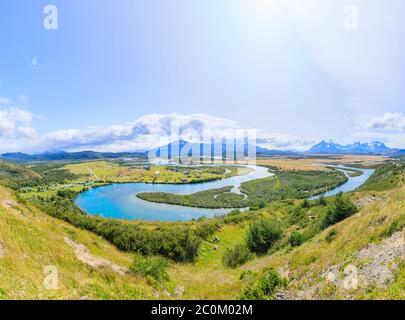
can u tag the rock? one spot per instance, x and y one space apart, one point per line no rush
215 239
215 248
179 291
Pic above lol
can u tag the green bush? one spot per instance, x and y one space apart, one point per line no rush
205 229
262 235
262 204
264 287
321 201
296 239
341 209
236 256
305 204
331 236
154 267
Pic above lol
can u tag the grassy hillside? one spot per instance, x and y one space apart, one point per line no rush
13 176
31 240
323 268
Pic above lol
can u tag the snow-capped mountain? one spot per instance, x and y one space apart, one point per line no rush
331 147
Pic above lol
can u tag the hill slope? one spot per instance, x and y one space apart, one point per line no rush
364 259
33 244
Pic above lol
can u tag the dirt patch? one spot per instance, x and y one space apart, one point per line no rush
8 204
2 251
83 254
363 201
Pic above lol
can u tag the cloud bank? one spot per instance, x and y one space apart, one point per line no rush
150 131
389 121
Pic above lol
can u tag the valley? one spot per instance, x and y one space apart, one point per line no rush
215 257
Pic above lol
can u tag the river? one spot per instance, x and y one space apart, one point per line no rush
120 201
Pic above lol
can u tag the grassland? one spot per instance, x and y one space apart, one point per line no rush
116 172
318 162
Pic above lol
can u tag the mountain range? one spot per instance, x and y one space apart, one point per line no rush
323 147
331 147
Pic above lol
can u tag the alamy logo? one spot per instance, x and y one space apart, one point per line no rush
51 278
351 21
188 146
51 17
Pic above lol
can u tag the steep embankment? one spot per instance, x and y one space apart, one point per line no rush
361 257
33 246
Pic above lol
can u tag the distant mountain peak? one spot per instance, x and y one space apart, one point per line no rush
374 147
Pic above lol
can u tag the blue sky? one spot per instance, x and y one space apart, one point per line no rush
114 69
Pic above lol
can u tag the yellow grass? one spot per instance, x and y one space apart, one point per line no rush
32 240
287 163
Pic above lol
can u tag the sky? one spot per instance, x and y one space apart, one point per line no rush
114 74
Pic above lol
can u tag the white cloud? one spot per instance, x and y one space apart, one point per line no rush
15 123
147 132
389 121
17 134
280 141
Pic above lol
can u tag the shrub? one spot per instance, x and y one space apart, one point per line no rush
341 209
205 229
305 204
321 201
178 243
154 267
397 225
296 239
262 235
331 235
236 256
297 214
262 204
263 288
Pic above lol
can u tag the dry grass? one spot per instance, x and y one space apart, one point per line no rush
315 163
32 240
306 265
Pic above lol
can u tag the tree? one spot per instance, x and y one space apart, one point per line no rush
262 235
341 209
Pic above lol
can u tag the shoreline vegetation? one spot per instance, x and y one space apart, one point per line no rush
256 193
